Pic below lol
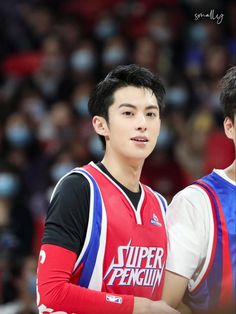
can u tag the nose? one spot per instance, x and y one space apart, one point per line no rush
141 123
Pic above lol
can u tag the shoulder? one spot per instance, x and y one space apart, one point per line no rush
193 195
160 198
190 205
148 189
74 184
77 180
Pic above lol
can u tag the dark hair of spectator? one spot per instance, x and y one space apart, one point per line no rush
102 96
228 93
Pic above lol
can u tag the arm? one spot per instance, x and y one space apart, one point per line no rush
55 292
62 242
187 243
145 306
174 288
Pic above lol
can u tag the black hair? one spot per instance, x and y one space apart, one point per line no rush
228 93
102 96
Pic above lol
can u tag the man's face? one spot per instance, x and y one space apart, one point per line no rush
134 123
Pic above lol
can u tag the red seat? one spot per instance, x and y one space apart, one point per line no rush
219 151
22 64
89 8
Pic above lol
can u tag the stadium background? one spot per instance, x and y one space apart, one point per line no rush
52 52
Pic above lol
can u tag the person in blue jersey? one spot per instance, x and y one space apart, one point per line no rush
201 224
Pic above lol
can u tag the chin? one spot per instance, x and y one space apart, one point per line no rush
137 157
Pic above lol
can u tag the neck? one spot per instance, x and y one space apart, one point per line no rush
231 171
127 173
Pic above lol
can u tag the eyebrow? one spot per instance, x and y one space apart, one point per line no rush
134 107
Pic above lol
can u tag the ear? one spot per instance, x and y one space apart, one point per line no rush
100 125
229 128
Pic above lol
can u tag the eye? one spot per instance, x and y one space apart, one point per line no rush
151 114
128 113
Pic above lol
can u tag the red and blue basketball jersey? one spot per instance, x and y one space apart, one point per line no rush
125 248
217 288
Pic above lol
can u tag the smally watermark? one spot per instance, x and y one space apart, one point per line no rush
211 16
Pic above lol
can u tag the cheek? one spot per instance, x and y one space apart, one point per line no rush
156 129
117 134
118 129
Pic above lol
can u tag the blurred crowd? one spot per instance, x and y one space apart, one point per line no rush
52 54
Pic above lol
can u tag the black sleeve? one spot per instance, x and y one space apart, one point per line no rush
68 212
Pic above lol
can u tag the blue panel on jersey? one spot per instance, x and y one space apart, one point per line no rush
209 290
90 255
162 201
227 196
208 294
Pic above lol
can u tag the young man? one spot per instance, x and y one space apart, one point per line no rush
201 223
104 245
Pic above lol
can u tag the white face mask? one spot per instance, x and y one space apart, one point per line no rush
95 147
8 185
105 29
60 169
36 108
81 106
165 138
114 55
83 60
161 34
19 135
198 33
177 96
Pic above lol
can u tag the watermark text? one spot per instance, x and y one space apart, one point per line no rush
211 15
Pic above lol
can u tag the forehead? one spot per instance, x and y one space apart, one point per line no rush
134 95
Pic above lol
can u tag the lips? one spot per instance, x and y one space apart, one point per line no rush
141 139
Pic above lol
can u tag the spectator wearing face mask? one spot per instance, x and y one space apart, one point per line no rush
16 227
114 53
19 287
83 62
105 27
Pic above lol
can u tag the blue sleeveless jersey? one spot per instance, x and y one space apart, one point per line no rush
217 289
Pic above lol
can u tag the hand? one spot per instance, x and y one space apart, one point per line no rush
146 306
184 309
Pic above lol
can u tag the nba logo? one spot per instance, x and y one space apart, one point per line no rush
114 299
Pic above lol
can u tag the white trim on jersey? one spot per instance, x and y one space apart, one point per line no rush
56 186
138 210
158 197
97 275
